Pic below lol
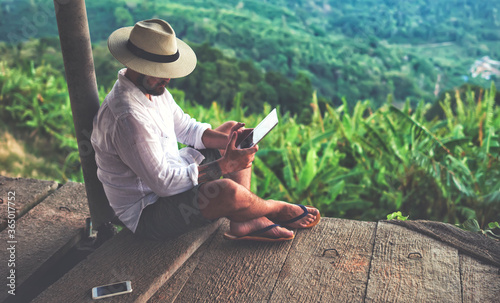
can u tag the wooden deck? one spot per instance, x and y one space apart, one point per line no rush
336 261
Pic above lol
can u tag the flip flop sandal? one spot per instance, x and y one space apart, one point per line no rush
305 213
254 236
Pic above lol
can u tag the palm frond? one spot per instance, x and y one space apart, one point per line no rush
420 127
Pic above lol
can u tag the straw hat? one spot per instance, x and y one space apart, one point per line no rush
151 48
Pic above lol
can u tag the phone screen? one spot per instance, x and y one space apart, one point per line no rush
112 289
259 132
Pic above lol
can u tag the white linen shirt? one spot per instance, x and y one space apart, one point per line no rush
136 151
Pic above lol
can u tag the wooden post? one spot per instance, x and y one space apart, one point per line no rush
76 49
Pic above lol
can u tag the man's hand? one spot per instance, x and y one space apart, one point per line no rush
242 134
241 131
236 159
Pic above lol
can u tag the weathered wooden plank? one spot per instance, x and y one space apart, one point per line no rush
235 271
479 281
147 264
171 289
327 264
472 244
24 194
44 235
410 267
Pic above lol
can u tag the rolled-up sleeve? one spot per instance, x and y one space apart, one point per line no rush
147 154
187 129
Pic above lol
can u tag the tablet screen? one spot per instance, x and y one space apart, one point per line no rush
259 132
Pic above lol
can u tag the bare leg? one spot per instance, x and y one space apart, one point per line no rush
246 211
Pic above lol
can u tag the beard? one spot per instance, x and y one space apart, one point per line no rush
154 90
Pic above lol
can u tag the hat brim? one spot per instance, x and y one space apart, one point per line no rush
117 44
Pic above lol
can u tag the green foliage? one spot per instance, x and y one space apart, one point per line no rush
362 162
222 79
123 17
397 216
357 162
35 100
492 230
358 50
358 159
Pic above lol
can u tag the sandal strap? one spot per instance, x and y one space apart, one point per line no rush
263 230
305 213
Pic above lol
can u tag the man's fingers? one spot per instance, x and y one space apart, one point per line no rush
232 140
253 149
237 126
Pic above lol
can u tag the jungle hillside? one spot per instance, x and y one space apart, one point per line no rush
385 105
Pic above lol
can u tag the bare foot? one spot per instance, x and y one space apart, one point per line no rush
240 229
293 211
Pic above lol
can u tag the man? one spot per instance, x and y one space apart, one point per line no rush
157 190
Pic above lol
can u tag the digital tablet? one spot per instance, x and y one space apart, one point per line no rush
259 132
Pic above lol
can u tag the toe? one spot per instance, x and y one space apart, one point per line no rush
311 217
281 232
312 211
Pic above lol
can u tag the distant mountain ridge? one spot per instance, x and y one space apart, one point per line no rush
347 48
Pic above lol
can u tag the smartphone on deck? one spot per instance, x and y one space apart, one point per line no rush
110 290
259 132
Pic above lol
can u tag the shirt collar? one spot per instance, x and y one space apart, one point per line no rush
134 90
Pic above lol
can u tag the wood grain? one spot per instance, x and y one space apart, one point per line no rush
28 193
45 234
480 282
147 264
410 267
235 271
336 261
171 289
329 263
481 248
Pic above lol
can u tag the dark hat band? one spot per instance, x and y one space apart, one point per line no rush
139 52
